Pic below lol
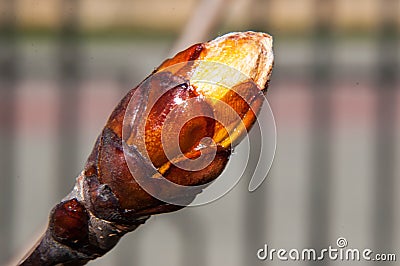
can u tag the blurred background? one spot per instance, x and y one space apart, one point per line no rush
335 94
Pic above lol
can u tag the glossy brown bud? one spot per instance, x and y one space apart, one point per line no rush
190 111
69 222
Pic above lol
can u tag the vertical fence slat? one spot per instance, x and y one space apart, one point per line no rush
8 81
386 83
320 168
255 209
70 57
254 223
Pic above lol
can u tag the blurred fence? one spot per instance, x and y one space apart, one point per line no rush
335 94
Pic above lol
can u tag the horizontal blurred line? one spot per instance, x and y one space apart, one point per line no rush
293 58
134 33
171 15
37 105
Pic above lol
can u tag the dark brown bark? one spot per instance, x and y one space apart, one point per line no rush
107 200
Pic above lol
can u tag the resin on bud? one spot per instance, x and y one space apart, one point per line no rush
163 144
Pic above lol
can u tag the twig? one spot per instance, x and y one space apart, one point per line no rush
109 198
206 16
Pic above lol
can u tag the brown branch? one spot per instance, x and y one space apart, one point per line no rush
206 16
109 199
